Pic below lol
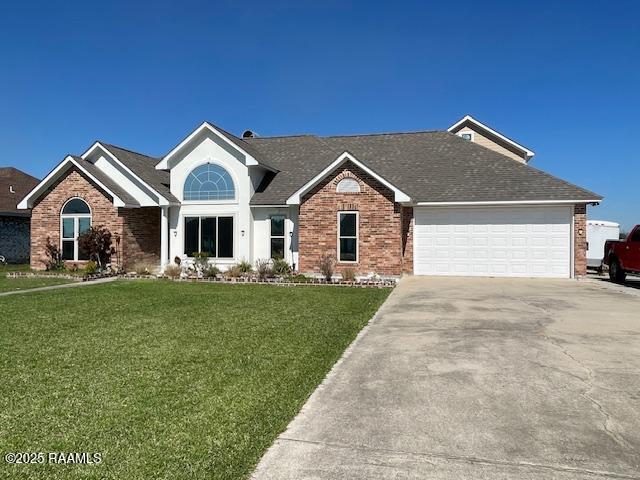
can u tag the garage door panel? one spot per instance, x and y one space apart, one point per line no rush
504 241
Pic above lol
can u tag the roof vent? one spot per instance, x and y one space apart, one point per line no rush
249 134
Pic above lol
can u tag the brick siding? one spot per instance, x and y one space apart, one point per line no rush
135 227
380 246
580 239
407 239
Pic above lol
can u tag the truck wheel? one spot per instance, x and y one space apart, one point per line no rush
616 273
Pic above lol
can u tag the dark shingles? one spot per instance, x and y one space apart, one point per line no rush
22 184
145 168
428 166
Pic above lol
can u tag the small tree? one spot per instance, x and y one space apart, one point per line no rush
97 243
327 265
54 257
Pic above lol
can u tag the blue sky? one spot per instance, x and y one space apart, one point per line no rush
561 78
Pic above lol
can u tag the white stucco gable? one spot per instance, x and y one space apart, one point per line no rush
218 136
108 163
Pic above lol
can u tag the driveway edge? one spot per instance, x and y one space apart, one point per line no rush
326 380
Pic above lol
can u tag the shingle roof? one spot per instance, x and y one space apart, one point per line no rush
106 180
144 167
22 184
428 166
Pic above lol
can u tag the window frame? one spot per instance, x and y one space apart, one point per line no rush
283 236
217 217
219 201
357 236
76 229
473 134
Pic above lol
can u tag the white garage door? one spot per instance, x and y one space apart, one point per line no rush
493 241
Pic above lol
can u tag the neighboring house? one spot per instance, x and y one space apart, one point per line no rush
14 223
457 202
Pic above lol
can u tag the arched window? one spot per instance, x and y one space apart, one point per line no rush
75 219
209 182
348 185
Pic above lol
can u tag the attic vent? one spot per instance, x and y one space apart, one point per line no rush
348 185
249 134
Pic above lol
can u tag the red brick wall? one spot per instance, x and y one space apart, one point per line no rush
141 236
407 239
580 239
380 244
136 227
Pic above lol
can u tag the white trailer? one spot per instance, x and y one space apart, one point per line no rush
598 232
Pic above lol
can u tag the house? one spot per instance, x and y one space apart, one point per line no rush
456 202
14 223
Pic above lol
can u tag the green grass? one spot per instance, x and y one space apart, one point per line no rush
11 284
166 380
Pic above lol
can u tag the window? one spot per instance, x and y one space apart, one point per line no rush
210 235
467 136
277 236
348 185
636 235
75 219
209 182
348 236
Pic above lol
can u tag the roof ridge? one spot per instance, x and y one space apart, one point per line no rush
416 132
260 137
127 150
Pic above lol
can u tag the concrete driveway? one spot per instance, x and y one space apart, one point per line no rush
461 378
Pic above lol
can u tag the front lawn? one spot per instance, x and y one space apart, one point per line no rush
165 380
10 284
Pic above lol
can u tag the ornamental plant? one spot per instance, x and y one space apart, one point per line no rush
97 243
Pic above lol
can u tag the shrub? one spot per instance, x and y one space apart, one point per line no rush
173 271
91 267
264 268
233 272
211 270
54 260
200 261
245 267
97 243
349 275
327 265
280 267
300 278
143 268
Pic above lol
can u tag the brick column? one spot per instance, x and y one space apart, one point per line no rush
580 240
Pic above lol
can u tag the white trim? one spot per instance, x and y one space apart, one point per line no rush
469 118
164 163
295 199
270 206
76 228
357 237
509 202
161 200
284 235
25 203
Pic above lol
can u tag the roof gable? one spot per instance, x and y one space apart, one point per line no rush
120 197
474 124
237 147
